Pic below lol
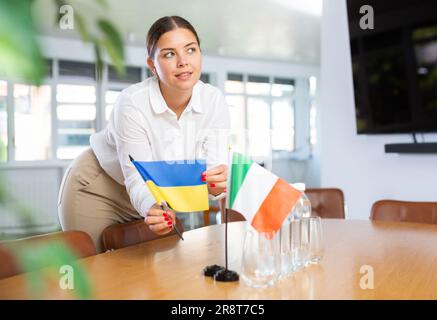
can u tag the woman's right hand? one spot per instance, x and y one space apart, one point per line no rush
160 221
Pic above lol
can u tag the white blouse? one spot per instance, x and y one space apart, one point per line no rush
143 126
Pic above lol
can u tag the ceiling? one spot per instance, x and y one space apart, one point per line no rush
274 30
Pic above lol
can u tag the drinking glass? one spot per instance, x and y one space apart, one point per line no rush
261 265
315 235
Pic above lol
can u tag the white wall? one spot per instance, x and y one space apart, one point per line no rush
357 163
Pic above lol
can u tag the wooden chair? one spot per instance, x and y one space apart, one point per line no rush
206 215
127 234
233 216
326 202
406 211
80 242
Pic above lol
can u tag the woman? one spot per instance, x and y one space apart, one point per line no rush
170 116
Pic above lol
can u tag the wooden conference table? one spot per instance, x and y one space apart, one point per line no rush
403 257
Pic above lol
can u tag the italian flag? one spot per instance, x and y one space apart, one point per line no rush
261 197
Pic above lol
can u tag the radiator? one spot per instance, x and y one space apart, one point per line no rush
36 189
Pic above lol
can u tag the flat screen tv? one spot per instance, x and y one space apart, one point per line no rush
394 65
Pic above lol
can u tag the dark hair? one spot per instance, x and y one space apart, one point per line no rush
163 25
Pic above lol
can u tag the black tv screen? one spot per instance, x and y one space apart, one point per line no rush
394 65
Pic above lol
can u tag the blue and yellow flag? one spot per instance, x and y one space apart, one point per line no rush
178 183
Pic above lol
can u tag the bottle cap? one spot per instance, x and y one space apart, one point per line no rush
299 186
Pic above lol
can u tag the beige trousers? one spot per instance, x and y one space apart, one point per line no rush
89 200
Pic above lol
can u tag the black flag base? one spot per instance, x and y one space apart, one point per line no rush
210 271
226 275
219 273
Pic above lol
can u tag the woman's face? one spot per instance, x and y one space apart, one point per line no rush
177 60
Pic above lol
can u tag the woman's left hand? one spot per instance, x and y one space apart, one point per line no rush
216 178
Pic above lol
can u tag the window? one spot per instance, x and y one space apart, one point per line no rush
116 84
283 87
32 122
76 109
262 114
257 85
282 125
205 78
56 120
78 70
238 123
283 114
49 68
234 84
110 97
258 115
3 121
133 75
76 118
258 125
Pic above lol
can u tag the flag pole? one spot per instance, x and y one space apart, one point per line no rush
175 226
226 275
226 239
211 270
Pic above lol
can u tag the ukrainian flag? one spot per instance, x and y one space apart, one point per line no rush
178 183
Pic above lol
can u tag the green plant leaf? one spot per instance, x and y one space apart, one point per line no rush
99 61
43 260
103 3
21 58
83 32
20 54
113 44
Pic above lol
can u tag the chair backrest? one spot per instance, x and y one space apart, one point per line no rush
128 234
206 214
233 216
80 243
326 202
407 211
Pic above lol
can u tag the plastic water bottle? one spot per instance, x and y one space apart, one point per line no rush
293 235
285 250
300 229
303 202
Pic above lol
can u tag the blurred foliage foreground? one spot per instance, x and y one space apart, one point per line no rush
21 58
